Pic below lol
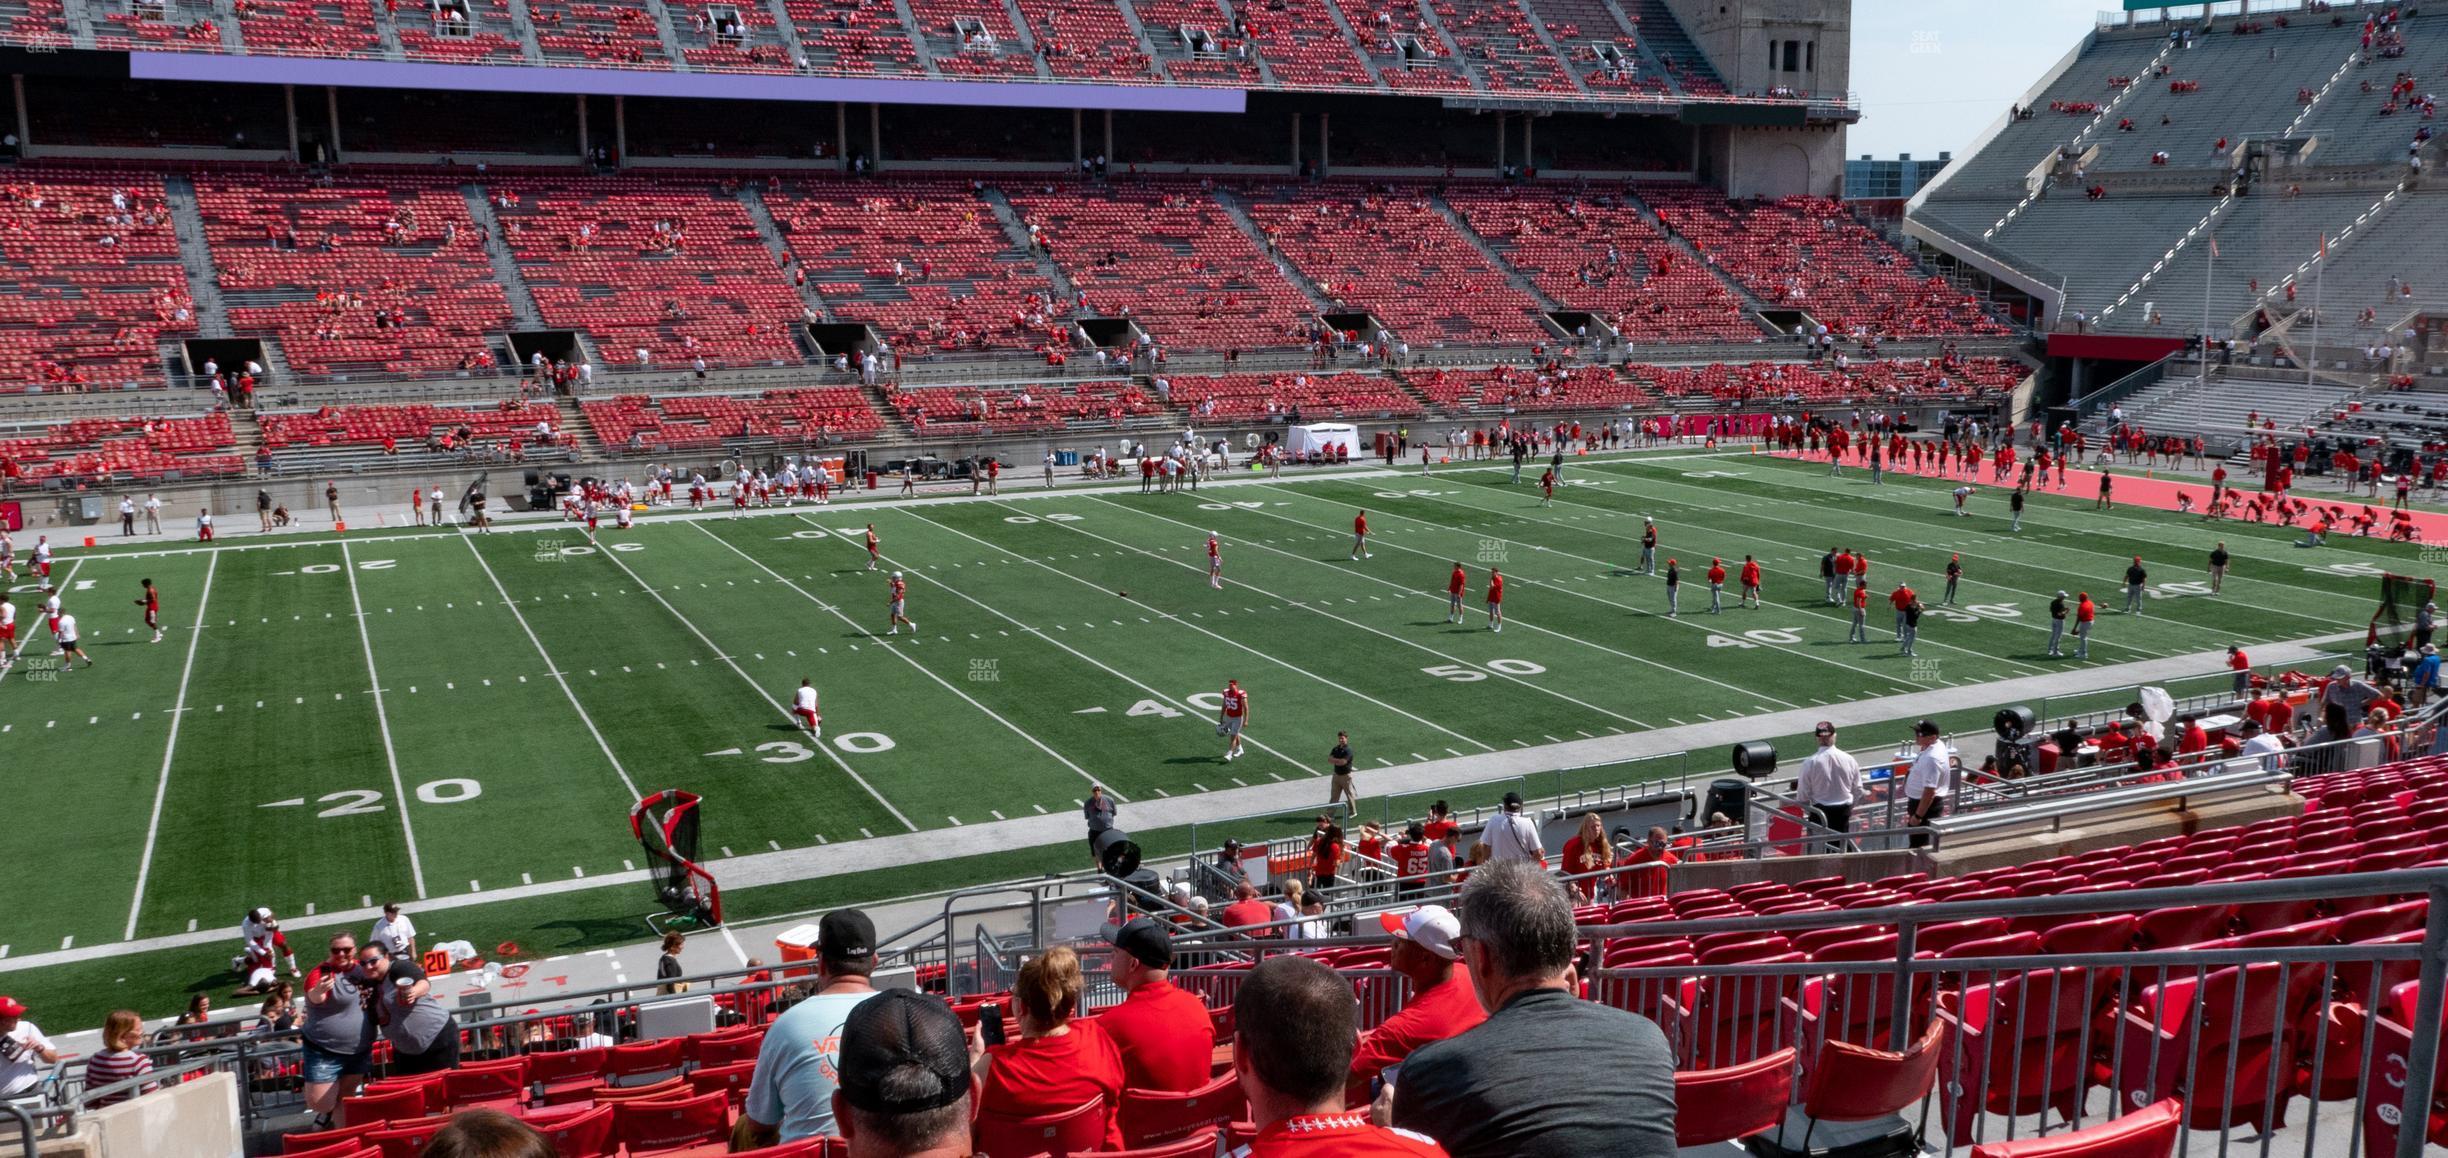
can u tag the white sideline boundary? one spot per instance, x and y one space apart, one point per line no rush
902 849
178 713
382 721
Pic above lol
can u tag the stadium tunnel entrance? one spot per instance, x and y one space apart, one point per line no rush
555 345
842 339
230 355
1581 325
1783 321
1356 322
1109 333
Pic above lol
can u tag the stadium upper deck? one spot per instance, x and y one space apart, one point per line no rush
1566 51
2270 130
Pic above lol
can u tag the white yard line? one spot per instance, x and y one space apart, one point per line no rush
161 787
1259 652
2114 582
905 657
1191 713
1502 675
554 670
382 721
717 653
1696 620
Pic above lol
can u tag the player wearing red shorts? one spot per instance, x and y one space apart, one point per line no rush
152 609
8 631
803 705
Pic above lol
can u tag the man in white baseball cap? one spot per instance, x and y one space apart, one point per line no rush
1443 1002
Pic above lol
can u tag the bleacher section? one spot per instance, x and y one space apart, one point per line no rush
1166 253
1514 391
127 450
674 269
854 37
637 423
578 32
1499 42
1822 383
335 438
1598 253
318 28
1303 46
93 279
1391 254
374 271
923 261
970 411
2303 77
1086 39
1809 254
1245 397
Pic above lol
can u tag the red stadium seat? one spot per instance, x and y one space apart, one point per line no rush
1855 1083
2019 1044
732 1079
2149 1132
2191 1033
1720 1105
307 1142
584 1133
1199 1144
370 1107
1152 1118
644 1063
651 1127
1074 1131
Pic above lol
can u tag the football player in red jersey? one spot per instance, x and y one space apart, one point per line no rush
898 598
1455 584
1232 717
1750 584
1215 562
151 602
1360 536
1495 599
874 545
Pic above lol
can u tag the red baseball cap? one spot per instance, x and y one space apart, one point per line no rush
11 1007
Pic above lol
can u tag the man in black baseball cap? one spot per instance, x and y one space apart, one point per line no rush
790 1095
1165 1036
904 1082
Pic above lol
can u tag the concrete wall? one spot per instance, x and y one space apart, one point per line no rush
1777 162
197 1119
1738 35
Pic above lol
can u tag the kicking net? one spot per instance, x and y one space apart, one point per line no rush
666 826
2401 597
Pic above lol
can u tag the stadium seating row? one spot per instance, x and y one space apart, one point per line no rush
388 272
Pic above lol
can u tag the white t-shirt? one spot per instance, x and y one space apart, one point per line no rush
1929 771
1512 836
20 1066
67 627
2268 749
805 699
394 935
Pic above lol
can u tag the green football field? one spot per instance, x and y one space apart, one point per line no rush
331 723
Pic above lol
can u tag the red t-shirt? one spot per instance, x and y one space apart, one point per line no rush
1457 582
1644 872
2239 662
1249 912
1166 1039
1901 597
1441 1011
1360 524
2086 612
1716 573
1337 1136
1436 830
1048 1075
1495 588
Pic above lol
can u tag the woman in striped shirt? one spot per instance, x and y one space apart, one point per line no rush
118 1060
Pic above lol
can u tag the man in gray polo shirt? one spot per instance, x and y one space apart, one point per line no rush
1496 1090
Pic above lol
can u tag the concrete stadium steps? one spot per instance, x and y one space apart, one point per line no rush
2099 247
2000 166
2179 405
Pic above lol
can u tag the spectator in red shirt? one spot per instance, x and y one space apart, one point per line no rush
1645 867
1296 1020
1587 852
1165 1036
1055 1064
1443 1001
1441 823
1246 908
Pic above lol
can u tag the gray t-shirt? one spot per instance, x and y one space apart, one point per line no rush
1497 1091
411 1029
338 1024
796 1067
